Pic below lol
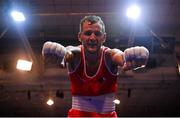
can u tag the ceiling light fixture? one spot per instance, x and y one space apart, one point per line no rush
116 101
18 16
50 102
133 12
24 65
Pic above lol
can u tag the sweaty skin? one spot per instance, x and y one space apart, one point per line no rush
92 68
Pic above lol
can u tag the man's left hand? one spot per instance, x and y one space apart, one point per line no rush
135 57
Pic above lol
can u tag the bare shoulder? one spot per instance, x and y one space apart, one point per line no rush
114 51
108 56
115 56
73 52
73 56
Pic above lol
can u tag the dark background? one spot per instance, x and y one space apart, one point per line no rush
152 91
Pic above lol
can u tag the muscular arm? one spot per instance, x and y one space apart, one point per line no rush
117 57
55 53
72 56
131 58
135 57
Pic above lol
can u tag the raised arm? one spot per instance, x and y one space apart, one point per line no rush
53 53
131 58
56 54
135 57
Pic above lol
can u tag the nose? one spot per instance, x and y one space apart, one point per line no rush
92 36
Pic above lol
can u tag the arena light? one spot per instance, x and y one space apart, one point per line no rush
18 16
116 101
50 102
133 12
24 65
143 66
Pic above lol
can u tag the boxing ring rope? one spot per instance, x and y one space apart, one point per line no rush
4 32
76 14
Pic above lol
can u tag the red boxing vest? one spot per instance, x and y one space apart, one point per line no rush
103 82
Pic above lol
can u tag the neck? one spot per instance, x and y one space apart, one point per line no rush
92 62
93 57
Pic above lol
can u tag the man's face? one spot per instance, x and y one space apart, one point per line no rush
92 36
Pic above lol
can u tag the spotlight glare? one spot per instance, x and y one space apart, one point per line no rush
24 65
133 12
116 101
50 102
141 67
18 16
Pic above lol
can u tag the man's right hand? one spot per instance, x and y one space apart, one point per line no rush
53 53
53 48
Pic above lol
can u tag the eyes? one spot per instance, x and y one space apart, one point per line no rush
96 33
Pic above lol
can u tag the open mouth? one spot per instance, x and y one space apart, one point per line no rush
92 45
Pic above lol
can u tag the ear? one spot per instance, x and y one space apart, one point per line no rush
79 36
104 37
